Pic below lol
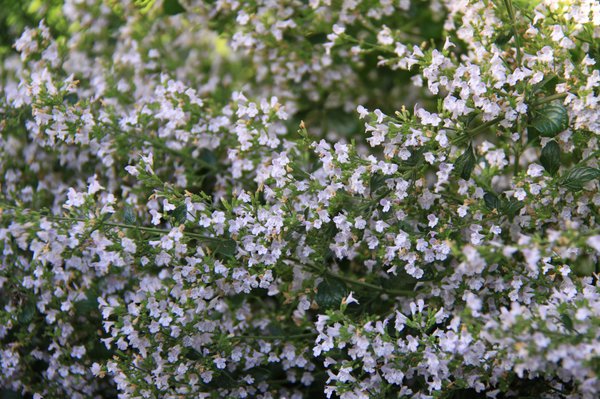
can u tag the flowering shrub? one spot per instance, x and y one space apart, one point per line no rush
287 199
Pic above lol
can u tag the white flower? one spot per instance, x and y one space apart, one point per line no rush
350 299
433 220
520 194
448 44
362 112
96 369
428 118
594 242
74 198
338 29
94 186
384 37
535 170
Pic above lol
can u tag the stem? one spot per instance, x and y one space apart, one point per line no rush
469 134
358 282
373 286
511 13
157 142
591 156
516 163
273 337
551 98
130 226
485 125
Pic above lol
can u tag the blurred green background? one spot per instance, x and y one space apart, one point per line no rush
16 15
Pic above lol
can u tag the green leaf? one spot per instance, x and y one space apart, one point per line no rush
180 214
550 157
86 306
71 98
27 312
416 157
192 354
465 163
577 177
511 208
330 293
584 266
492 201
207 158
129 215
225 247
551 119
532 134
567 321
503 38
377 181
172 7
105 217
144 5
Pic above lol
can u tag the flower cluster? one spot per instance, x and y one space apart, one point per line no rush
353 199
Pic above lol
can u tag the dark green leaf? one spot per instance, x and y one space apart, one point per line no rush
225 247
549 83
27 312
192 354
567 321
465 163
9 394
416 157
511 208
550 157
577 177
551 119
532 134
129 215
584 266
330 293
86 306
377 181
503 38
172 7
71 98
208 158
180 214
492 201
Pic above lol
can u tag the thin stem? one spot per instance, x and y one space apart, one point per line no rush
469 134
273 337
551 98
511 13
141 228
157 142
594 154
516 163
350 280
372 286
485 125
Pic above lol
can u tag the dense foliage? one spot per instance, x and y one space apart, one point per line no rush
288 199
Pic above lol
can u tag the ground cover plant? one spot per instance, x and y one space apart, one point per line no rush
299 199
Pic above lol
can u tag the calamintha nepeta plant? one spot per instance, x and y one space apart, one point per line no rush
288 199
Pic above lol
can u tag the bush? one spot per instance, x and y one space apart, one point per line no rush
287 199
